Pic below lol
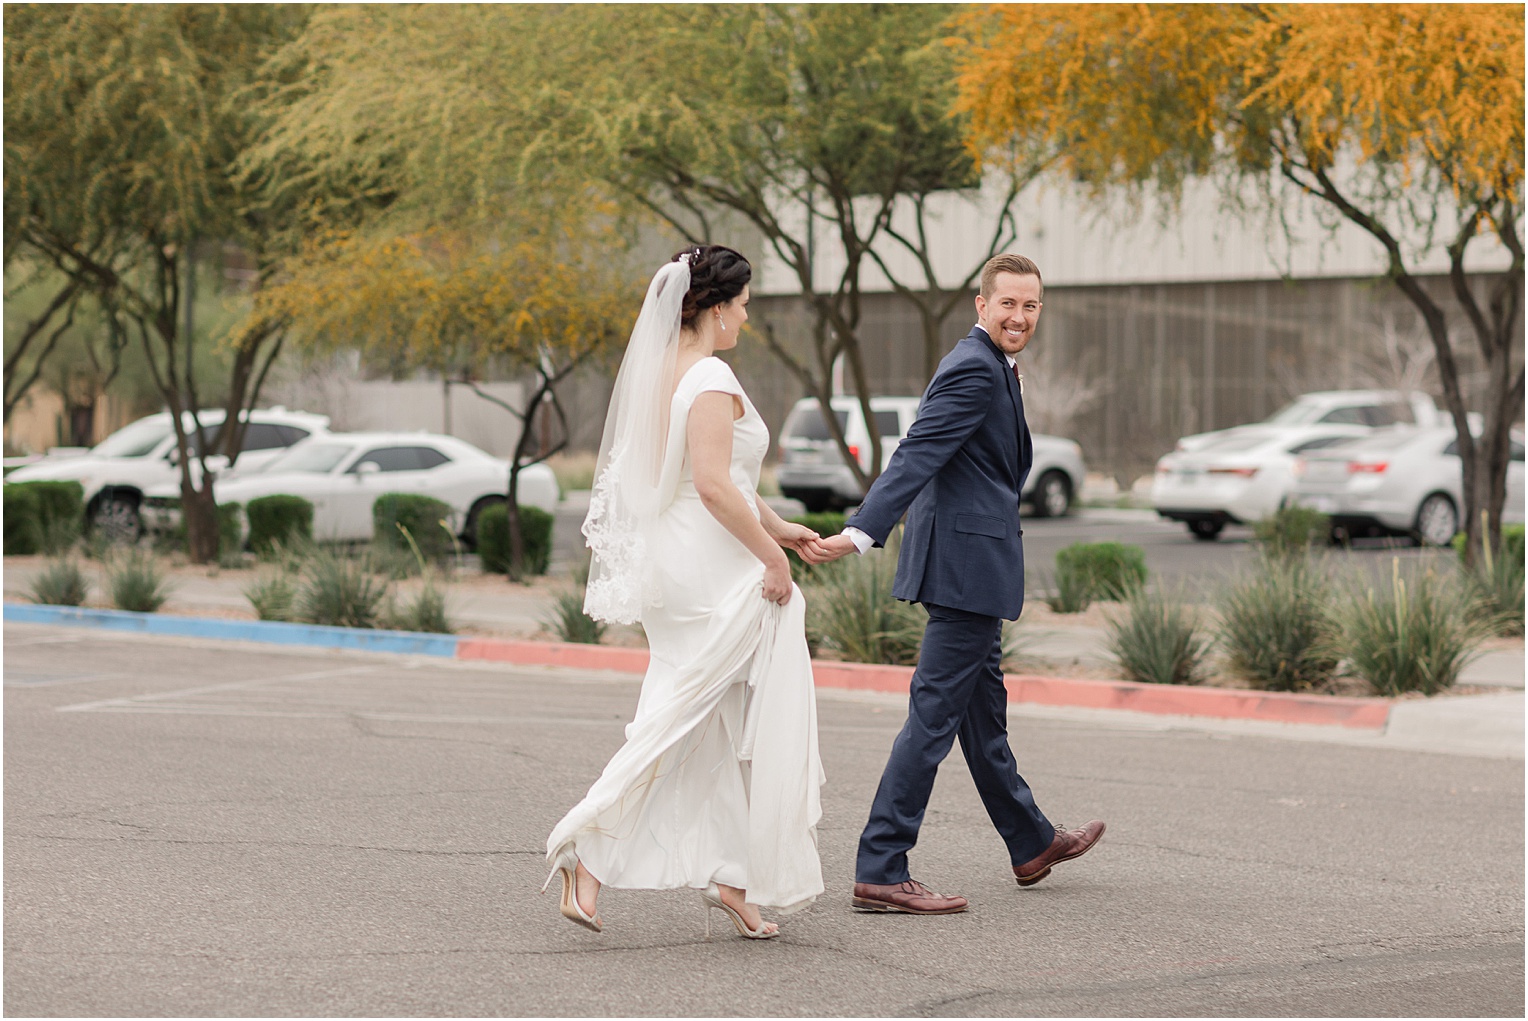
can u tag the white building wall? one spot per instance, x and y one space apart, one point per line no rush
1077 240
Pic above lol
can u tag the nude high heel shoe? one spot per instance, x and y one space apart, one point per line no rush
572 910
712 895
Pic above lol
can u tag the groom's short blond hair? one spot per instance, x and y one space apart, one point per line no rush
1008 263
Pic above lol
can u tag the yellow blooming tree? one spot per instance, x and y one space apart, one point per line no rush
465 304
1405 119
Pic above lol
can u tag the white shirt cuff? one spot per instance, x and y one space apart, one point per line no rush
861 541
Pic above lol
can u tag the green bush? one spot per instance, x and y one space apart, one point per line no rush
1416 634
427 520
279 521
61 583
824 523
1157 640
60 512
1291 531
136 581
1106 570
272 596
1512 541
1276 626
850 610
23 520
493 538
568 621
339 591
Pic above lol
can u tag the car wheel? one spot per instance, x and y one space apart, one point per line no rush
1206 530
1052 497
469 532
116 519
1437 521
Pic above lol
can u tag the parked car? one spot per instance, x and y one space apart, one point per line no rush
812 470
116 472
1366 409
1239 476
342 474
1401 481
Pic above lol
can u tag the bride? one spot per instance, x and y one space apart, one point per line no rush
717 786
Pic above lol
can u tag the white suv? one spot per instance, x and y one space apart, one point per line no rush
116 471
812 471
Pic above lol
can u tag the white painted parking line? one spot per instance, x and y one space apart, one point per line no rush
141 700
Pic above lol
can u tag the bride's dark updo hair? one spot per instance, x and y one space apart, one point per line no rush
717 275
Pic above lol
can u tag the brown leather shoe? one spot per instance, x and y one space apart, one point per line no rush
911 898
1068 844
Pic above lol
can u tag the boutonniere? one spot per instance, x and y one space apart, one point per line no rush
1021 383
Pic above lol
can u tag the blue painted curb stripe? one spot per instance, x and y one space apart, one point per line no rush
268 631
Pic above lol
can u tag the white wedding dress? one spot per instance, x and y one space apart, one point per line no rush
719 778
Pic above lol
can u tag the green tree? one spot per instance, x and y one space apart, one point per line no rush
1406 120
122 128
819 127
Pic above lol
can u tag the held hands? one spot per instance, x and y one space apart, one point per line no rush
808 545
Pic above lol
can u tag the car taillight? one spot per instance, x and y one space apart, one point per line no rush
1367 467
854 451
1245 473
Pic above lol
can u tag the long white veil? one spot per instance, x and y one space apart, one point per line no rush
626 495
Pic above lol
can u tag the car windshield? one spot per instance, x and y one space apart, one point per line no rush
136 440
310 457
809 424
1387 440
1236 441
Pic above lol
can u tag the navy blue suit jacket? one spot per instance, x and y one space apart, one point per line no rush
957 475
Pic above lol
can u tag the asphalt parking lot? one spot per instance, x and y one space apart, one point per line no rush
209 829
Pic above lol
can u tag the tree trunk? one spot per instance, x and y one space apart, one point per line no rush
200 513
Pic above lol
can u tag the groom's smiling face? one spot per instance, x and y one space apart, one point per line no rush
1009 314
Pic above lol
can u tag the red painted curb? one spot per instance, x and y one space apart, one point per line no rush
1161 699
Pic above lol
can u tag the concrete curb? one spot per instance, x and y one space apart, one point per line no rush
1169 700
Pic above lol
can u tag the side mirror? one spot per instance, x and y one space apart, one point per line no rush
366 468
216 462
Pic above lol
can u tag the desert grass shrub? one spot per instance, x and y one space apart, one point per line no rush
23 521
1070 591
567 620
1415 634
824 523
1497 582
136 581
1109 570
1275 625
272 596
61 583
426 612
340 591
1158 640
851 611
493 538
574 471
1014 644
399 520
279 521
1290 532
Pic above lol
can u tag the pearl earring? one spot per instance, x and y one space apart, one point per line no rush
721 322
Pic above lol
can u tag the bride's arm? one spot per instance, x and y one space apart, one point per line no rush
709 433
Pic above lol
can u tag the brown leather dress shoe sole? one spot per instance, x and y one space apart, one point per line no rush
866 904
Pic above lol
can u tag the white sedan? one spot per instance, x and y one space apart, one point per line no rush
1238 477
1361 409
342 474
1400 481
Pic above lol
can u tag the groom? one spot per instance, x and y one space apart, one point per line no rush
958 475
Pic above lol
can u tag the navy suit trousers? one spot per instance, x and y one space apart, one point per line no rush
957 691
